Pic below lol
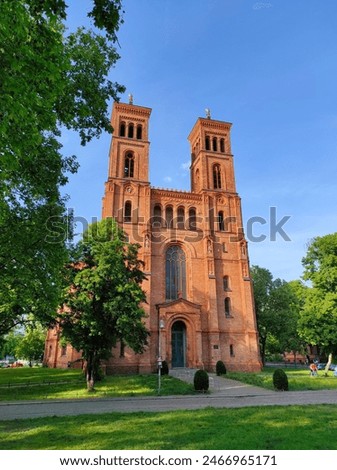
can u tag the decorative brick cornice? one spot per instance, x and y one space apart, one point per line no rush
133 109
131 142
209 124
134 118
215 124
176 194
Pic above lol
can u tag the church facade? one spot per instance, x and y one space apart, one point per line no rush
199 291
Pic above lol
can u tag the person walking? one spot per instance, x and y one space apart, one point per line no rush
313 370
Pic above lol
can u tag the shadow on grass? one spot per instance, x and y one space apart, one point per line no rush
269 428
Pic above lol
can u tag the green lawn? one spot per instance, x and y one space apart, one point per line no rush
268 428
44 384
38 374
298 379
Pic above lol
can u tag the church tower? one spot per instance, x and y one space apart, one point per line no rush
212 161
127 189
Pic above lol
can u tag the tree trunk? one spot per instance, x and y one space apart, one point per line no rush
326 370
263 350
90 373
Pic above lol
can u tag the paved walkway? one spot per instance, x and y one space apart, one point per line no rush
225 393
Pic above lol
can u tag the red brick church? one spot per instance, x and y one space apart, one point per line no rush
199 292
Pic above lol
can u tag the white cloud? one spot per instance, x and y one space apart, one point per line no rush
168 179
185 166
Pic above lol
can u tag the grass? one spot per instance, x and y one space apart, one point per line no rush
299 379
70 384
308 427
268 428
37 374
43 383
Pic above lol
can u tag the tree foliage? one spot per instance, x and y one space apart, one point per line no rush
50 79
103 301
276 307
318 320
9 344
31 345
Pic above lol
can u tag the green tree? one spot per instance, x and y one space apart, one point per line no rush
31 344
293 340
103 301
51 79
9 343
274 307
318 319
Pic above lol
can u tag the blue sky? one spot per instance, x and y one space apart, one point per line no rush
270 68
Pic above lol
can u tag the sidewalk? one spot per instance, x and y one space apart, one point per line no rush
225 393
220 386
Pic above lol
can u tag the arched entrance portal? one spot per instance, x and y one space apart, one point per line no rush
178 337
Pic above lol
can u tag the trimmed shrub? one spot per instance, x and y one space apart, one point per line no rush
201 381
280 380
220 368
164 368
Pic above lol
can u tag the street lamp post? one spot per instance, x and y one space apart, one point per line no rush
159 361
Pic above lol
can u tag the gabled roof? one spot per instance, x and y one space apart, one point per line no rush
177 302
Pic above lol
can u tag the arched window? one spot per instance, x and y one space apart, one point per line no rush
215 144
207 143
222 145
175 273
221 221
227 307
181 218
216 176
169 217
139 132
157 220
130 130
225 283
231 350
129 165
122 129
192 219
127 211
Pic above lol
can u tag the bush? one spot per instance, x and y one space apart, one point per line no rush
220 368
164 368
274 357
201 381
280 380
